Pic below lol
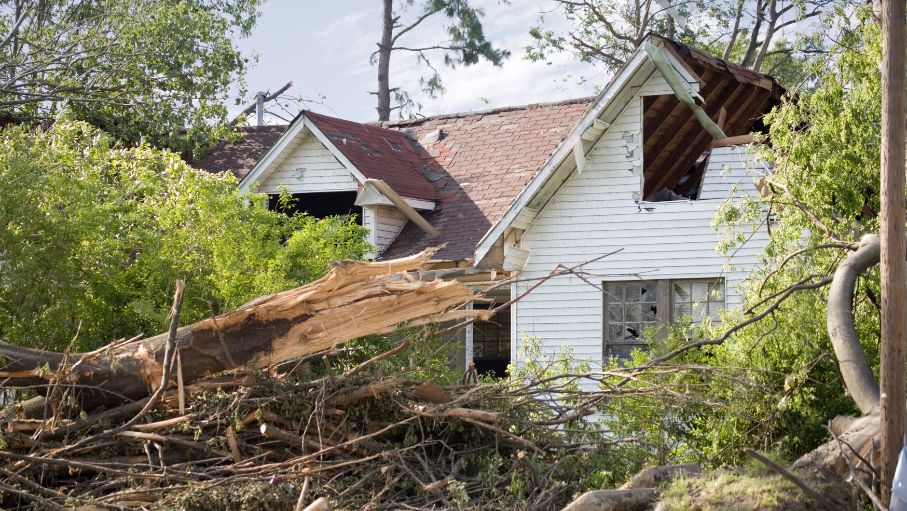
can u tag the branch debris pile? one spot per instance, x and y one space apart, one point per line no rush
247 410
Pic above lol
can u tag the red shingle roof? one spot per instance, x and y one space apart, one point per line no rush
240 157
379 153
480 163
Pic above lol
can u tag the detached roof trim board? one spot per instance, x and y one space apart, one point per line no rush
289 137
565 150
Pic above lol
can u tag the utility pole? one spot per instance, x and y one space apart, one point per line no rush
894 247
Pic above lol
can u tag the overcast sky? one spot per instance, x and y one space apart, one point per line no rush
324 48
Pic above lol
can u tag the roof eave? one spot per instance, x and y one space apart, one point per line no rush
563 151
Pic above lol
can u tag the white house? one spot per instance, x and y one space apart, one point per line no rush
637 172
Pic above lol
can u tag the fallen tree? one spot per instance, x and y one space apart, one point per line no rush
353 300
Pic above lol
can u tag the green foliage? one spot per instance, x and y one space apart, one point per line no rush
775 384
606 33
157 71
93 236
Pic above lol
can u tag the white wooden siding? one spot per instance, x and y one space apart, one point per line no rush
594 213
309 168
656 85
731 168
389 223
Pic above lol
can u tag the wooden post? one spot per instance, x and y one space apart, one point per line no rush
894 252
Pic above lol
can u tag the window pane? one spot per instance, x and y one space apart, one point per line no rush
636 328
634 293
716 292
615 293
615 313
649 292
633 312
681 292
700 292
681 310
648 313
615 332
700 311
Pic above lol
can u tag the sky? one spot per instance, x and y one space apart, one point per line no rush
324 48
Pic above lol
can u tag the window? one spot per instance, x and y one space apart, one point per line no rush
699 299
319 204
631 308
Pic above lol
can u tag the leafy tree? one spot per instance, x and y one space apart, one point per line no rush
93 235
746 32
775 383
466 44
142 70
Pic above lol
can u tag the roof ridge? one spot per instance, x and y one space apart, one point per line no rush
459 115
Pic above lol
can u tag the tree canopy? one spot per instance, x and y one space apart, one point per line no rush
143 70
93 235
465 45
771 36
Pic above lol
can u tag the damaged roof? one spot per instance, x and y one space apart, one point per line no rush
476 165
239 157
479 162
379 153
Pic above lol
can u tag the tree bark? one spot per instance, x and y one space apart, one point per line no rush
354 300
384 62
858 377
894 249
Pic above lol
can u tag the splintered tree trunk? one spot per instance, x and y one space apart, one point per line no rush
354 300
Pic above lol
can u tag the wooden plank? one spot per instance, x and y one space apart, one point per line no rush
731 141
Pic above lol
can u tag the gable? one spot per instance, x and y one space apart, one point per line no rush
682 96
309 167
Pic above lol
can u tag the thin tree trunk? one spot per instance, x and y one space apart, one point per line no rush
754 35
352 301
769 35
734 33
894 250
384 62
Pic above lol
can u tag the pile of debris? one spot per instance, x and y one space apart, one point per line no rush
248 411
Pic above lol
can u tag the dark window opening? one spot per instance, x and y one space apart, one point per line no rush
318 205
491 343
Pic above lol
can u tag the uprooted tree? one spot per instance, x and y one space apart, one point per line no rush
353 300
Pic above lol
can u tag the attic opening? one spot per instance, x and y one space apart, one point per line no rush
676 150
318 205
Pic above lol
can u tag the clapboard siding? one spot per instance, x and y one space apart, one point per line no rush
389 223
655 85
594 213
731 168
309 168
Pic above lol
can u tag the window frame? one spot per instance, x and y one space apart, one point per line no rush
664 304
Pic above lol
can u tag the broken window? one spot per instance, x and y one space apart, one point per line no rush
632 308
318 205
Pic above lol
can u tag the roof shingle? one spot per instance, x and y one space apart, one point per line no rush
379 153
479 164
